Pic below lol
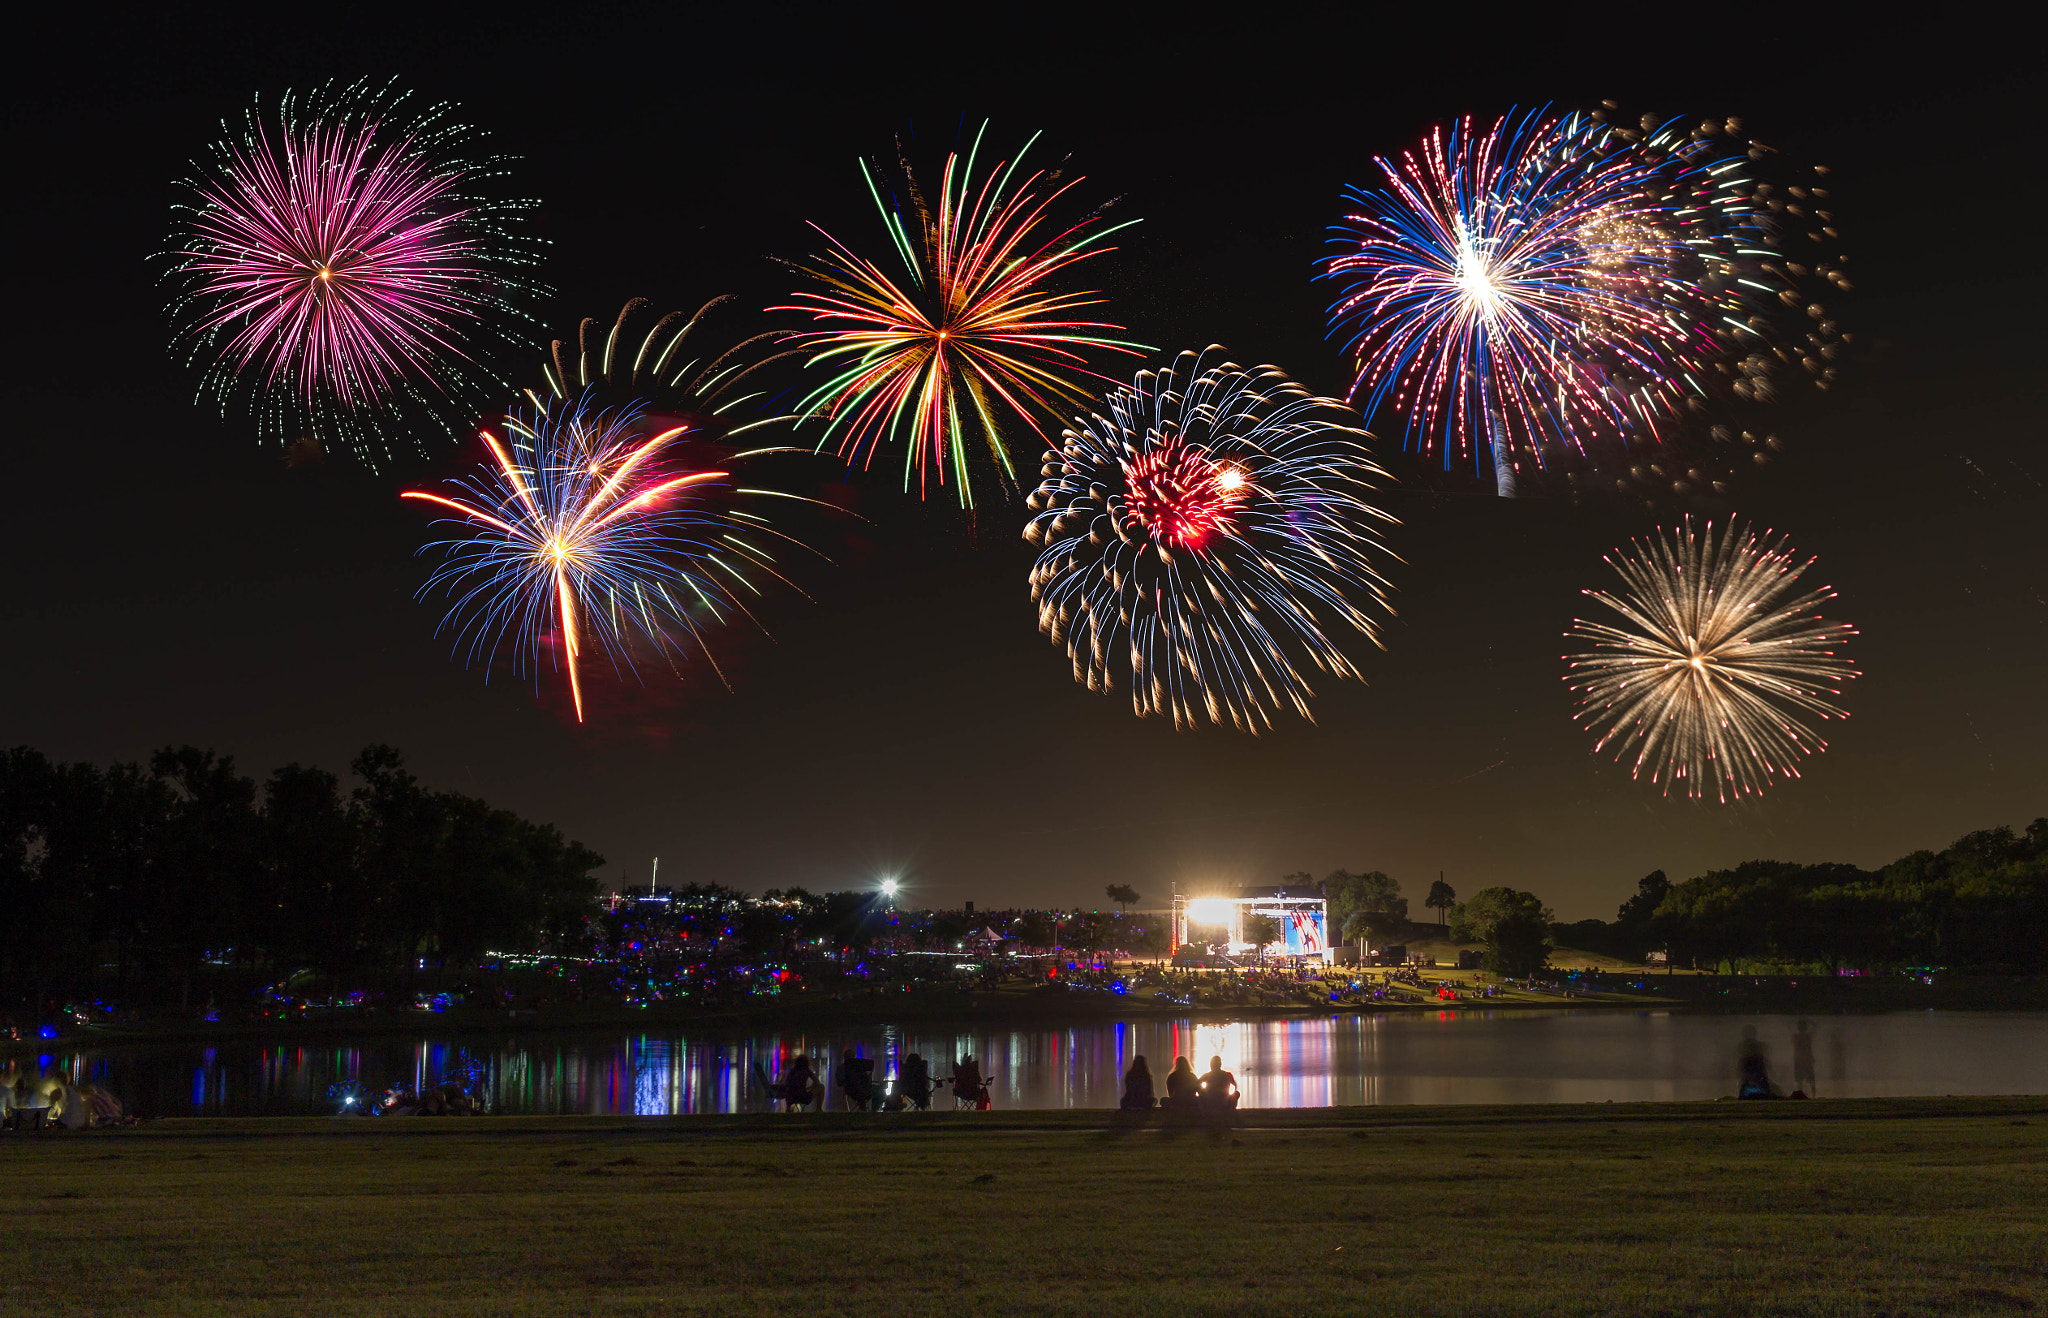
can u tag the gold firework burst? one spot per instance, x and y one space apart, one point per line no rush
1715 664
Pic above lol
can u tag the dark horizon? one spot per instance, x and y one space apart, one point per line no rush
176 582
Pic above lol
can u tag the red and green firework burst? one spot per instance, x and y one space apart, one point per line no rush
971 339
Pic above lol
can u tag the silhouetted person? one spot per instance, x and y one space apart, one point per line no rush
856 1080
1182 1084
1137 1086
799 1084
1803 1077
916 1082
968 1084
31 1101
1751 1065
1218 1088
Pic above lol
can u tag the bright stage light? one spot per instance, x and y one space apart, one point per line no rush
1209 910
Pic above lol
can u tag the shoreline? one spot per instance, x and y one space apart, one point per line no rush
1688 994
887 1126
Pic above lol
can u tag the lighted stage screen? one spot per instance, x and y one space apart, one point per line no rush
1301 916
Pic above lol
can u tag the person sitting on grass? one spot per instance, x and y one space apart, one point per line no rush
856 1079
1137 1086
31 1102
1752 1067
799 1084
1183 1086
968 1084
1218 1091
916 1082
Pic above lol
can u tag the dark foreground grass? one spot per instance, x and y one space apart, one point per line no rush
1864 1208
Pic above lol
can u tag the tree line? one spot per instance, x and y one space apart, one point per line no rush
126 880
1513 926
1981 904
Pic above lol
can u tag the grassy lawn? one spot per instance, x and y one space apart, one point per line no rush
1853 1207
1445 951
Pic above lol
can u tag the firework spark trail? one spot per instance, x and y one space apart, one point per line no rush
1196 530
969 338
583 527
1546 287
1714 663
1763 242
667 366
342 266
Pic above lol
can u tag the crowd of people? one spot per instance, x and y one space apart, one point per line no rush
1406 984
800 1086
32 1101
1243 986
443 1100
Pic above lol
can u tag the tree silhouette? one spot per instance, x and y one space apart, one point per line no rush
170 874
1441 897
1514 925
1635 922
1260 930
1123 894
1366 905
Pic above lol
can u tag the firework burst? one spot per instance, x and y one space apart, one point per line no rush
1198 532
1714 664
587 529
970 338
342 268
1543 292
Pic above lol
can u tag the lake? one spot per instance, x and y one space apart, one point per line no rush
1449 1057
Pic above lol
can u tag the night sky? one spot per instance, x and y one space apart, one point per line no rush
173 581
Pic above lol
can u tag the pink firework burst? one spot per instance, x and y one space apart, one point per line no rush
343 261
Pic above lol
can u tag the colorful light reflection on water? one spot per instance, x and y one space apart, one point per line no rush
1448 1057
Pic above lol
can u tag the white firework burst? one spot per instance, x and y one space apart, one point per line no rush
1715 665
1203 533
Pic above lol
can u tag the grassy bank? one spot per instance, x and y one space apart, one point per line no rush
1850 1207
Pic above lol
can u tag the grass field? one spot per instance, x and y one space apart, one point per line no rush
1850 1207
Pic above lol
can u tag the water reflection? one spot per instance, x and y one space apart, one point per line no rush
1449 1057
